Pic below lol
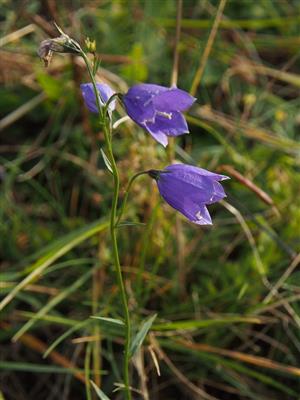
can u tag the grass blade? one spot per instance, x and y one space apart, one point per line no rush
205 323
100 393
63 246
142 333
52 303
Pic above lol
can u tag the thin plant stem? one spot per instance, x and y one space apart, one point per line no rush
96 289
174 74
171 155
208 47
97 94
87 365
122 208
105 122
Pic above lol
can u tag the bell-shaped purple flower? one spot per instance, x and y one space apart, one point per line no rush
89 97
158 109
189 190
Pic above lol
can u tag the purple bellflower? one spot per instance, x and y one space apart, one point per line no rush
189 190
89 97
158 109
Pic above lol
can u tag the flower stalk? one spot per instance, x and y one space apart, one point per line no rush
122 208
105 122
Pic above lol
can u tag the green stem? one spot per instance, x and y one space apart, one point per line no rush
111 99
97 94
122 208
113 215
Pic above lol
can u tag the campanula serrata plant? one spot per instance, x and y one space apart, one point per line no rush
186 188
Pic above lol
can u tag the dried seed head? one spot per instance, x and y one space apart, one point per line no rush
61 44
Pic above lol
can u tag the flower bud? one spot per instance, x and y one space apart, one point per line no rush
90 45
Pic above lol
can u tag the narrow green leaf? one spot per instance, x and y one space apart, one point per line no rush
204 323
39 368
51 319
64 336
96 65
63 246
112 321
99 392
142 333
130 224
106 161
53 302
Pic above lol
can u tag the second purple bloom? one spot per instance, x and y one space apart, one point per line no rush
189 190
89 97
158 109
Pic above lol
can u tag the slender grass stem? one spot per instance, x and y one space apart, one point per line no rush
105 122
208 47
171 155
96 289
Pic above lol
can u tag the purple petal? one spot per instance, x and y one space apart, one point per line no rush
138 102
146 89
184 203
210 189
173 100
202 216
156 108
160 137
136 109
88 94
189 189
203 192
217 194
182 168
173 124
205 181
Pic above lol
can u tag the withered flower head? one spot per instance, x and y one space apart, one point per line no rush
61 44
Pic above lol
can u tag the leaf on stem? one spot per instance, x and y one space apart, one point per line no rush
96 65
113 321
106 161
142 333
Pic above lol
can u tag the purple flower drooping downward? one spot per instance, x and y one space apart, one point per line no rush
89 97
158 109
189 190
